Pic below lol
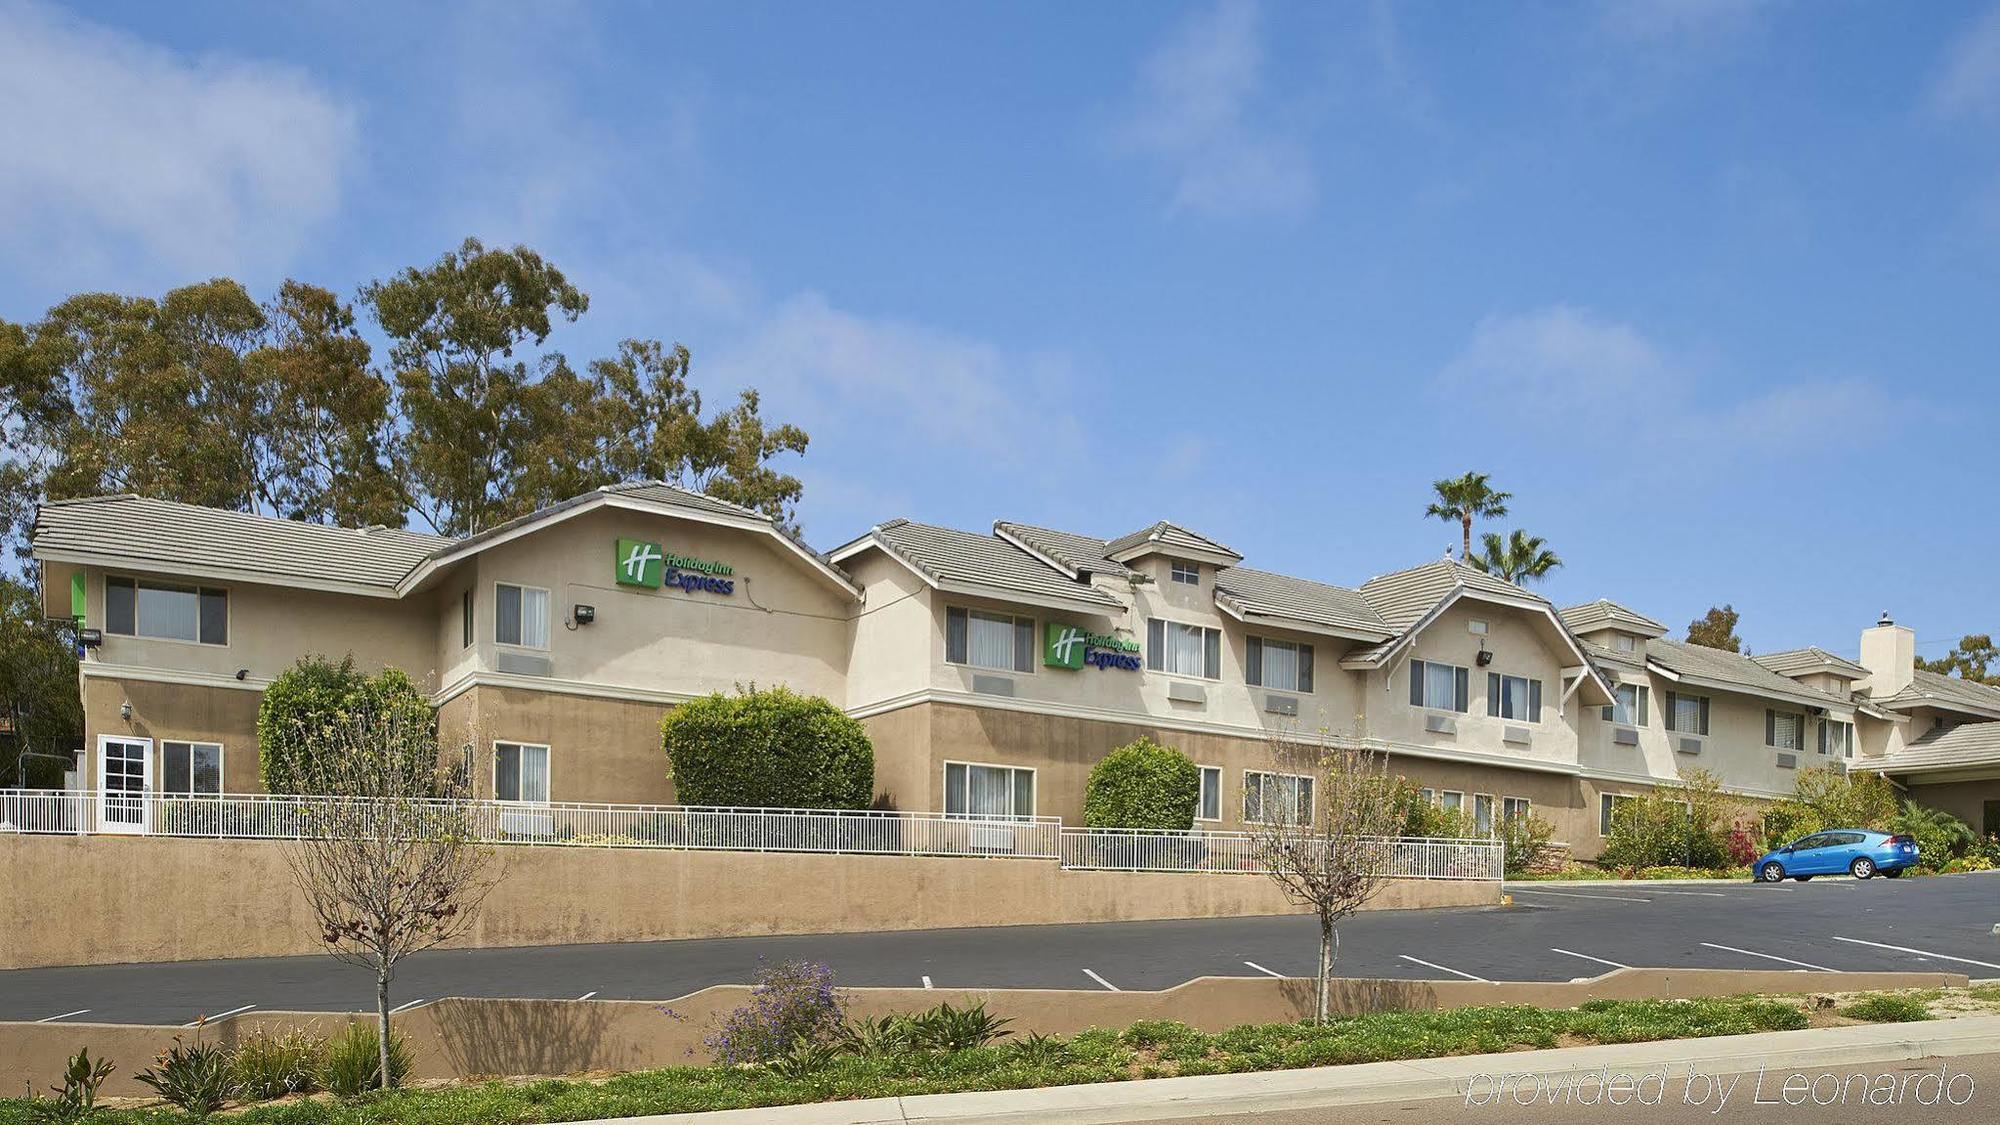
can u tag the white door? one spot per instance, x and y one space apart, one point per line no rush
124 784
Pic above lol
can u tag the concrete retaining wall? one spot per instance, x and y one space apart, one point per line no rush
103 899
461 1038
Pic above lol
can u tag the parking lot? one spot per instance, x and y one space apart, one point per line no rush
1941 923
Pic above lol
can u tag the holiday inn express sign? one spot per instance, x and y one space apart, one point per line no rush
1066 646
639 563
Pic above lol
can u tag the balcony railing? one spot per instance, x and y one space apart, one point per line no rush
835 832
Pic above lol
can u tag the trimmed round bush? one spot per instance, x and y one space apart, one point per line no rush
315 694
1143 785
768 749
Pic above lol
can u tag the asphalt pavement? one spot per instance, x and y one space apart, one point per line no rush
1941 923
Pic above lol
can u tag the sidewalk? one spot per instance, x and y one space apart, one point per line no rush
1838 1048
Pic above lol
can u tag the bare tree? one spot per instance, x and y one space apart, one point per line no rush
1322 825
388 860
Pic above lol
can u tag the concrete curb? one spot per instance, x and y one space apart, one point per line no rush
1367 1083
1630 884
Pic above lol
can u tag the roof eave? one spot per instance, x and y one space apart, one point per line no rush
218 573
1232 608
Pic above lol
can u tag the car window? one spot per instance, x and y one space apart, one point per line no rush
1845 838
1810 842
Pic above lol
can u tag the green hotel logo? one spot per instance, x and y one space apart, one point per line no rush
639 563
1066 646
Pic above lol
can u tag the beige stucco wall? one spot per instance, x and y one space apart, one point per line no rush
175 711
1966 800
892 633
601 750
1521 647
237 898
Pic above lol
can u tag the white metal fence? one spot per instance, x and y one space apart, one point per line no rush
1124 849
265 817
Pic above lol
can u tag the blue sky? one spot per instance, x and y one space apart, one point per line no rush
1711 287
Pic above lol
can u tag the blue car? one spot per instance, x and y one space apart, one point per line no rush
1859 852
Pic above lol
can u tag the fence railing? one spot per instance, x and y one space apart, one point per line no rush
838 832
1219 853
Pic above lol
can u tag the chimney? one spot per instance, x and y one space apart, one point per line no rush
1889 652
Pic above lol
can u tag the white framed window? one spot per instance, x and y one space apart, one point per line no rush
1427 795
1482 813
1629 706
1186 572
973 789
1608 805
1687 714
520 615
1284 665
1784 730
1624 642
1514 697
1513 808
521 772
1209 807
1441 687
981 639
141 607
1278 798
1451 800
1183 650
1836 738
190 769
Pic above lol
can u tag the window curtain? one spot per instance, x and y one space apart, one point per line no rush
535 618
1281 666
1185 645
991 641
1439 685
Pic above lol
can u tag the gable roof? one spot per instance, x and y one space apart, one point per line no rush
1607 614
1167 538
1730 671
167 537
188 540
1808 660
1298 602
1066 550
1935 689
977 564
1959 747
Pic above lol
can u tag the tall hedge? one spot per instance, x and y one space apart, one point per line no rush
771 748
1143 785
316 693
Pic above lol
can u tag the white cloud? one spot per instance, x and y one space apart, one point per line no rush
116 147
1970 81
1568 374
1195 94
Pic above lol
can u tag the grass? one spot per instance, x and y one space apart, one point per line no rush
1888 1008
1149 1049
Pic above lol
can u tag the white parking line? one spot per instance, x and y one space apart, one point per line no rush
585 996
1921 952
414 1003
220 1015
927 984
1652 891
78 1012
1252 964
1573 894
1101 980
1767 956
1441 968
1566 952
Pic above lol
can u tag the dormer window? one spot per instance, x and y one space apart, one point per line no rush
1624 642
1187 573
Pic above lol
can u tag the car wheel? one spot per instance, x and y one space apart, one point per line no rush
1801 878
1893 873
1862 868
1772 872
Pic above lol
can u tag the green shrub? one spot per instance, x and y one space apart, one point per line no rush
75 1100
352 1062
1940 836
945 1028
1683 825
793 1002
194 1078
272 1066
1887 1009
1422 817
1831 797
768 749
1525 837
317 693
1143 785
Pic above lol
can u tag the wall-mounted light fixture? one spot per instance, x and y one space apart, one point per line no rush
242 674
125 710
1484 658
89 638
583 614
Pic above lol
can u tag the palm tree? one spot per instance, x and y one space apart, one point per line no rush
1465 498
1518 558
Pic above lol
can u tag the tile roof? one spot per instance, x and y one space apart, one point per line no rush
1971 744
1934 689
1169 536
1067 548
1258 593
1403 597
1607 614
947 555
179 538
1810 659
1625 661
1733 670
